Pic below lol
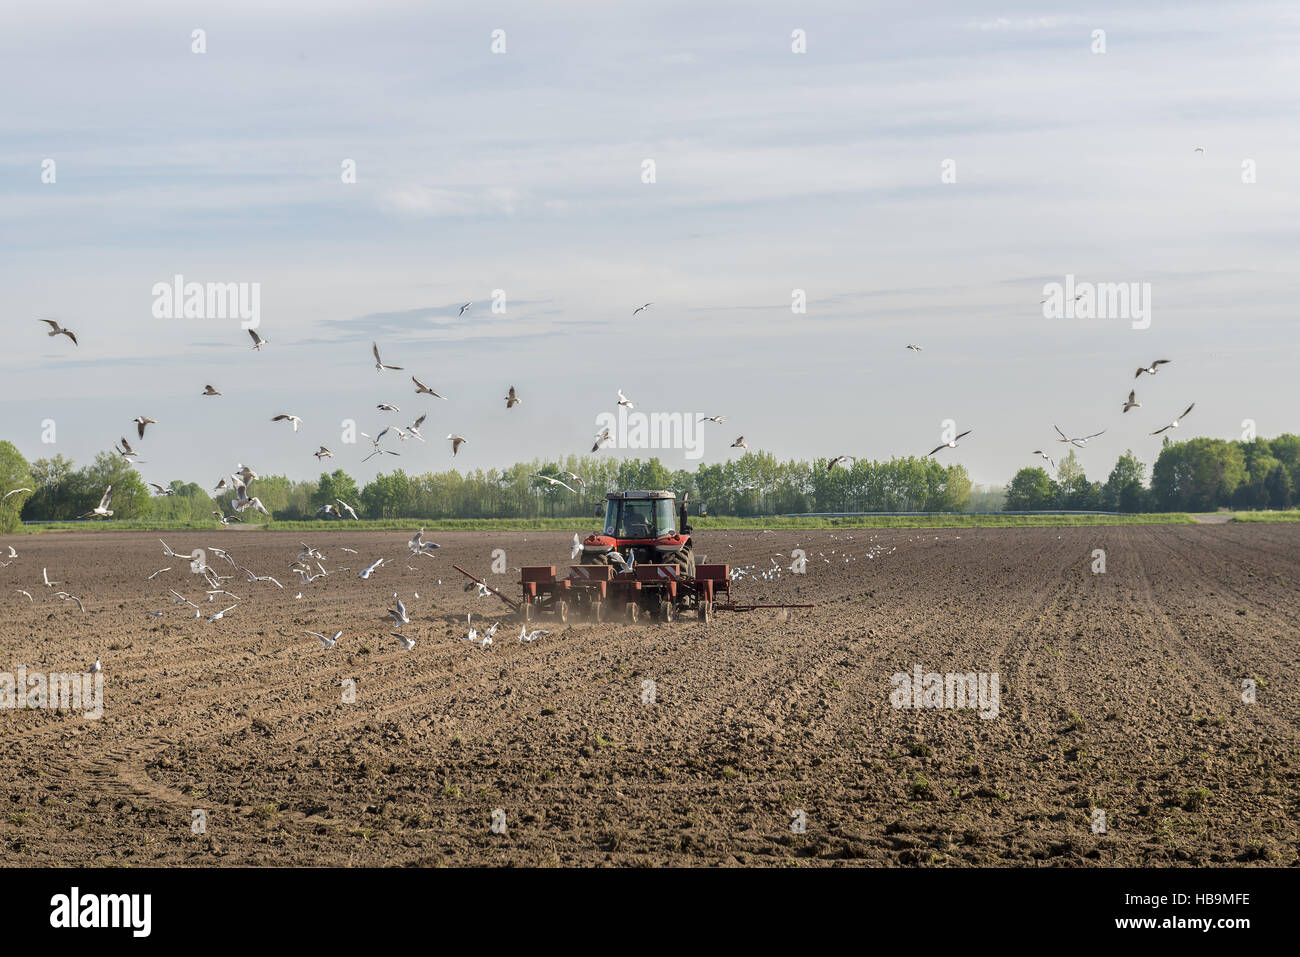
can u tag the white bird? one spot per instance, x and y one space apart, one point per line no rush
624 400
1151 369
379 363
158 572
739 443
512 398
326 643
951 443
414 427
407 643
1132 402
58 330
841 460
1174 424
399 615
245 473
463 308
456 442
553 481
162 491
420 387
1198 149
641 309
713 418
365 574
21 592
914 348
347 508
286 417
1080 442
380 452
209 390
323 453
126 451
258 341
385 407
221 614
604 435
577 547
1043 455
582 483
240 504
141 421
12 552
14 492
101 510
419 546
96 668
66 597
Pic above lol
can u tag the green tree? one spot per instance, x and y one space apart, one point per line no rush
14 473
1032 489
1125 489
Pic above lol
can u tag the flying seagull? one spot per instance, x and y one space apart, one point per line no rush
419 546
258 341
385 407
1080 442
285 417
326 643
58 330
641 309
141 421
1151 369
101 510
126 451
739 443
582 483
512 399
323 453
1174 424
713 418
914 348
553 481
379 363
602 436
1043 455
1132 402
624 400
463 308
366 573
14 492
951 443
208 390
346 508
163 491
420 387
842 460
456 442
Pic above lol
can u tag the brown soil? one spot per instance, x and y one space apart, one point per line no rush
1119 691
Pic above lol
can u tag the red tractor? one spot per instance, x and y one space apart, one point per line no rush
643 528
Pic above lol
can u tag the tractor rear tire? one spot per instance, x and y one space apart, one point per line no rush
684 558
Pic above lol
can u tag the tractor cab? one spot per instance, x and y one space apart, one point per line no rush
646 527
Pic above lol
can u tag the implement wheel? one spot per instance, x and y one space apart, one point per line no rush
669 611
562 612
597 610
528 611
705 611
633 611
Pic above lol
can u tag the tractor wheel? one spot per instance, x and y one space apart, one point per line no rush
685 558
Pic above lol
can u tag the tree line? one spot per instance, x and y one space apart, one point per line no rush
1196 475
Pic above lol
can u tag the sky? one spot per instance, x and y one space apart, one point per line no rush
522 171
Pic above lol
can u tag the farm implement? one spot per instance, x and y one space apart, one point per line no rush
642 564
